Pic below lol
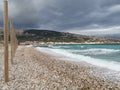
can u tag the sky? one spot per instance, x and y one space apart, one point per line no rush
90 17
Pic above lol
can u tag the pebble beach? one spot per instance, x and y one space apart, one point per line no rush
35 70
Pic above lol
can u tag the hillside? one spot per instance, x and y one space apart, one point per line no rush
1 34
54 36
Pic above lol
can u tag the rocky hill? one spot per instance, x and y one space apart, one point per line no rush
54 36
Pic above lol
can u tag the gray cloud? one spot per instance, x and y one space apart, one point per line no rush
64 14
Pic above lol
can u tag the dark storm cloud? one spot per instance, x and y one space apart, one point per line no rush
64 14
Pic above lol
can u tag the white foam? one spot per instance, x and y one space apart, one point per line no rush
29 45
97 51
78 58
58 47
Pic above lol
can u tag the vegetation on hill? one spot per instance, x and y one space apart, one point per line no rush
51 36
54 36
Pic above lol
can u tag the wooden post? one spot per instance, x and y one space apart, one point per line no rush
13 43
6 72
11 40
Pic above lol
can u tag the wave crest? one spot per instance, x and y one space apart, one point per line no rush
97 51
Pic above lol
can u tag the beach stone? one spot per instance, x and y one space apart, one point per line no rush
34 70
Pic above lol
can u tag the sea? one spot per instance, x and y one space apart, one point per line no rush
102 55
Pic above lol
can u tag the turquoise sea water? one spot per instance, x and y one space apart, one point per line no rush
110 52
104 55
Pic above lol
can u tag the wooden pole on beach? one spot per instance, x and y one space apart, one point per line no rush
6 73
14 43
11 40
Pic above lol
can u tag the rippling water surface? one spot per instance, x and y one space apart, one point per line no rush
105 55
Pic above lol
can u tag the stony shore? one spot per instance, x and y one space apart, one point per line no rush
34 70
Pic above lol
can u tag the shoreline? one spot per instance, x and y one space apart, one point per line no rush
96 69
34 70
64 54
93 71
54 43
